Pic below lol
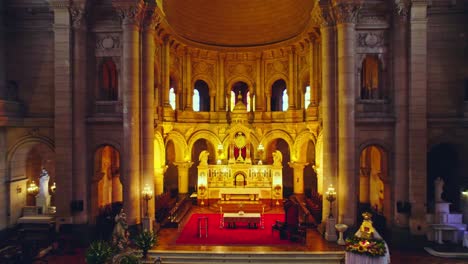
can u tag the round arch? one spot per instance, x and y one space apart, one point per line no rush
236 79
203 134
300 143
275 134
206 79
276 77
180 145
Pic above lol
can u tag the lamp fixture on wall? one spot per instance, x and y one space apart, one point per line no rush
331 197
147 195
33 189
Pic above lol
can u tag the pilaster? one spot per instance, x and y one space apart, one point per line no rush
188 77
298 168
345 13
63 113
291 89
220 90
131 13
79 25
166 81
183 171
417 115
159 180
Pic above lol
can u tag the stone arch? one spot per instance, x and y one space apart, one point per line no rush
204 134
159 150
181 149
277 133
236 79
205 78
299 143
275 77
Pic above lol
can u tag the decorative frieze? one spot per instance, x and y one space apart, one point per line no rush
346 12
277 66
108 45
243 69
202 67
370 39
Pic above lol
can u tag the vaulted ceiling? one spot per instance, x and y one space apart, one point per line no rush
238 22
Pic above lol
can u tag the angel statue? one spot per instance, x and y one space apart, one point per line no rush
203 158
277 158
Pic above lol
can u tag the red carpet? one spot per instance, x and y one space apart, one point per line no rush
241 235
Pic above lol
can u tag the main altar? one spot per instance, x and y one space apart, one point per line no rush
238 179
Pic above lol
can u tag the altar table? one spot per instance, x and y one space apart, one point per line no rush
252 219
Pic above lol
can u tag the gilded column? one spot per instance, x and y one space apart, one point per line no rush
147 101
346 15
400 70
130 13
63 113
312 75
183 171
79 110
298 168
417 115
291 89
322 15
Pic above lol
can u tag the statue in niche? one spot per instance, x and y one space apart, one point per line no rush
438 189
277 158
203 158
44 183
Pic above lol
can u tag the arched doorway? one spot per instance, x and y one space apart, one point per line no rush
281 145
107 193
442 161
171 176
374 190
310 176
199 146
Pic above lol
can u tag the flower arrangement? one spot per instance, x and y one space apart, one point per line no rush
370 247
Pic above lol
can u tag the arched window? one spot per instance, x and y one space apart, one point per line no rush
196 100
279 96
307 97
172 98
250 101
108 81
203 101
370 78
240 88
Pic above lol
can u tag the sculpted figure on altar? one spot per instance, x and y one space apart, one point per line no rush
44 183
203 158
277 158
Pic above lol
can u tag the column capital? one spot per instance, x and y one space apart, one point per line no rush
401 10
183 164
322 15
152 18
129 11
346 11
297 165
78 16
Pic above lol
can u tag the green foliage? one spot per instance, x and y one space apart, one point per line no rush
99 252
369 247
146 240
130 259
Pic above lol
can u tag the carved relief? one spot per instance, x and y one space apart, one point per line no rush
130 14
371 39
203 68
78 16
278 66
107 45
240 69
322 15
346 12
152 21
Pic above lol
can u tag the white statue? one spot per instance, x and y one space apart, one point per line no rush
44 183
438 189
120 232
203 158
277 158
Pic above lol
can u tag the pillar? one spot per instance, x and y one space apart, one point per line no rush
220 90
346 15
329 166
259 87
291 89
188 79
159 180
183 171
298 185
3 84
63 114
3 178
417 116
166 77
400 70
131 13
312 75
148 106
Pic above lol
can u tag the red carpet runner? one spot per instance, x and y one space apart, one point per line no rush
241 235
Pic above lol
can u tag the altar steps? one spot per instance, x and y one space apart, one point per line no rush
170 257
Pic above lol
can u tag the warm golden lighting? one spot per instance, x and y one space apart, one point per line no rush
260 150
33 188
147 193
53 188
331 197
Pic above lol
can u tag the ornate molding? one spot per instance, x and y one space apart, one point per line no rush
78 16
107 41
346 11
153 19
371 39
401 8
59 4
130 12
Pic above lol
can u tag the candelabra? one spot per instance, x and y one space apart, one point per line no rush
331 197
202 190
147 195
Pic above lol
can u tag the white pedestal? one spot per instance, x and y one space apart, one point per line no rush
330 232
147 224
43 202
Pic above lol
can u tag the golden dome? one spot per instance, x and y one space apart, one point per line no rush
238 22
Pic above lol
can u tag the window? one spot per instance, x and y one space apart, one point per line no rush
370 78
307 97
172 98
279 96
242 89
196 100
285 100
108 81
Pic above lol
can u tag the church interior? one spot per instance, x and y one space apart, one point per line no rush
309 120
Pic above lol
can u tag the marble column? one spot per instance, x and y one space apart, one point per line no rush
183 171
130 14
417 115
328 105
346 15
147 101
400 70
79 110
63 114
298 185
291 89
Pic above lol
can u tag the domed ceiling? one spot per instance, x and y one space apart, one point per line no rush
238 22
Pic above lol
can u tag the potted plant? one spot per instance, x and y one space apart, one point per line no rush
99 252
145 241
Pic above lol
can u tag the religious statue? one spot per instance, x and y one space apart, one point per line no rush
120 232
277 158
44 183
439 189
203 158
